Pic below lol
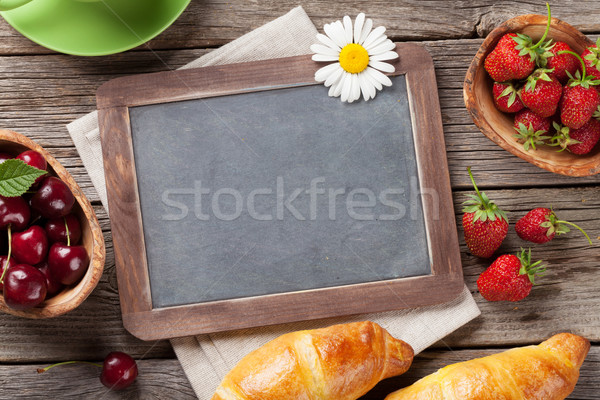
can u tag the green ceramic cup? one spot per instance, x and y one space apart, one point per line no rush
91 27
6 5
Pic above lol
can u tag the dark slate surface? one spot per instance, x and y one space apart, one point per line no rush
225 191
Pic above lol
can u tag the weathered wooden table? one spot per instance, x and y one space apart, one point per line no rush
41 91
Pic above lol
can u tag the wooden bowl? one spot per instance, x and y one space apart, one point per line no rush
497 125
91 236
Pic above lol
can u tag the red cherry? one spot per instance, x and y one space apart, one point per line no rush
53 198
118 371
11 263
67 264
24 287
30 246
52 285
34 159
15 212
56 231
4 157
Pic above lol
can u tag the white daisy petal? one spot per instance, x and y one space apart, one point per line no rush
374 35
374 82
326 40
355 93
373 89
379 76
347 29
366 30
358 25
386 46
334 34
335 76
331 90
346 86
382 39
340 84
324 57
388 55
323 73
325 50
364 86
382 66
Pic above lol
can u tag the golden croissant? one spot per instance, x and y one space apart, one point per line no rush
341 362
548 371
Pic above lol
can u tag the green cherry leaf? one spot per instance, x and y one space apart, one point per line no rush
16 177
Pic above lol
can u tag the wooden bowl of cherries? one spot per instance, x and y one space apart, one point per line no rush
51 245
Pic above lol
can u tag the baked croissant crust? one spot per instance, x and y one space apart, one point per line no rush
548 371
341 362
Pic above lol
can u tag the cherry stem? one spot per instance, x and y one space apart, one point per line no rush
8 256
582 231
67 230
579 58
474 184
547 29
41 370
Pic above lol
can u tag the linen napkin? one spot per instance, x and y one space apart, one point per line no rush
207 358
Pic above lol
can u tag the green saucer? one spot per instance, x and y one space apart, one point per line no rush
96 28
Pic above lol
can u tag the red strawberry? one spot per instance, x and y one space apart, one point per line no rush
542 93
579 99
485 224
587 136
506 98
531 128
561 63
515 55
577 105
509 278
540 225
591 59
578 141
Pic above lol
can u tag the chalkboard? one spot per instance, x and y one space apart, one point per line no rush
243 195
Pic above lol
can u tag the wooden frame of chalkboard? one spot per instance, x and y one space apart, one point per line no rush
140 318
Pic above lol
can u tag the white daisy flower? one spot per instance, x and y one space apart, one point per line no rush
360 52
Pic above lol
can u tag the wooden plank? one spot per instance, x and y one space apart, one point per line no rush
157 379
566 298
62 88
216 22
165 379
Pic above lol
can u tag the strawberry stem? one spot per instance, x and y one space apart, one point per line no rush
582 231
41 370
474 184
580 60
546 31
8 256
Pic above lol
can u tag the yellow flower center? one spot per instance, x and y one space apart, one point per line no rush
354 58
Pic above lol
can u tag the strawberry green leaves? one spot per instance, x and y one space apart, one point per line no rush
481 206
529 269
16 177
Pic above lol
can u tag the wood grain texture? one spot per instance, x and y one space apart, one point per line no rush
211 23
148 323
40 92
566 298
50 98
164 379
